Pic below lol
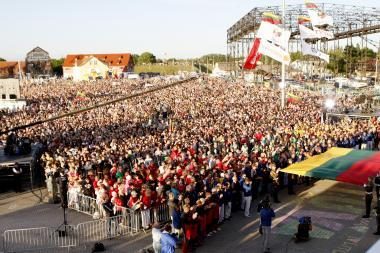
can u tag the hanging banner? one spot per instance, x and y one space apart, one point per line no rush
269 49
317 33
275 34
254 56
319 18
308 49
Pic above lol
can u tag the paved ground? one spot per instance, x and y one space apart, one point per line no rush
335 209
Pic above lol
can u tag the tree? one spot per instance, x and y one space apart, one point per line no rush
337 61
213 57
296 56
2 59
56 65
146 58
135 58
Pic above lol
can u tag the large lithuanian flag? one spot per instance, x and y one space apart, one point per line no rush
340 164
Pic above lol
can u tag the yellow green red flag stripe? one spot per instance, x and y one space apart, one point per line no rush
340 164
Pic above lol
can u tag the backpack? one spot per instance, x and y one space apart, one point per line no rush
98 247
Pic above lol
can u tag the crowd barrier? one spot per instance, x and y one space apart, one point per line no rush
135 220
83 204
32 239
43 239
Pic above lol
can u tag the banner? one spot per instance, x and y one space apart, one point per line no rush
273 33
254 56
319 18
317 33
269 49
307 49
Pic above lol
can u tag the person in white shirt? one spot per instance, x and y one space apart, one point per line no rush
156 235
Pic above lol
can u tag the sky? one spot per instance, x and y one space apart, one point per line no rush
167 28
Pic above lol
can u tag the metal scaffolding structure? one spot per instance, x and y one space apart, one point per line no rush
349 22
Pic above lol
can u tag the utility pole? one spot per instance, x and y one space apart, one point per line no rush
377 62
283 85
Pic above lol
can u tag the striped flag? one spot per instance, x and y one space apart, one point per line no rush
303 20
339 164
310 5
271 18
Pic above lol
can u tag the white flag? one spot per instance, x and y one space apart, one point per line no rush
319 18
323 33
275 52
317 33
274 33
309 50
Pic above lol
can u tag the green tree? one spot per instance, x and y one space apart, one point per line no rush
56 65
135 58
146 58
213 57
296 56
2 59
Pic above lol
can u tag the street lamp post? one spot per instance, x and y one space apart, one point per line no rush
283 86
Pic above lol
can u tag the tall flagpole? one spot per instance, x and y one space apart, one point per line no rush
283 85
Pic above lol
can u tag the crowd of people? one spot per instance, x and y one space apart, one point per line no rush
207 148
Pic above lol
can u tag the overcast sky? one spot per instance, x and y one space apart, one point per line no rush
168 28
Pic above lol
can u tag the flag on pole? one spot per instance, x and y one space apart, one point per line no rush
254 56
323 33
319 18
310 5
271 18
303 20
277 53
317 33
274 33
308 49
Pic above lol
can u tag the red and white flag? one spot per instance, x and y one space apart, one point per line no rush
254 56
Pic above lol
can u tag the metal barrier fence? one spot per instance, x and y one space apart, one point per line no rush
98 230
135 220
83 204
21 240
41 239
125 222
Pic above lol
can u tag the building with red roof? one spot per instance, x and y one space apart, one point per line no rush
95 66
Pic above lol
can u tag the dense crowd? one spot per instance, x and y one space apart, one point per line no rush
207 148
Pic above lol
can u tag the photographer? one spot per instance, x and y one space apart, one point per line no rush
109 211
266 215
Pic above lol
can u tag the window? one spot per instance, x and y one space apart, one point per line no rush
3 96
12 96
